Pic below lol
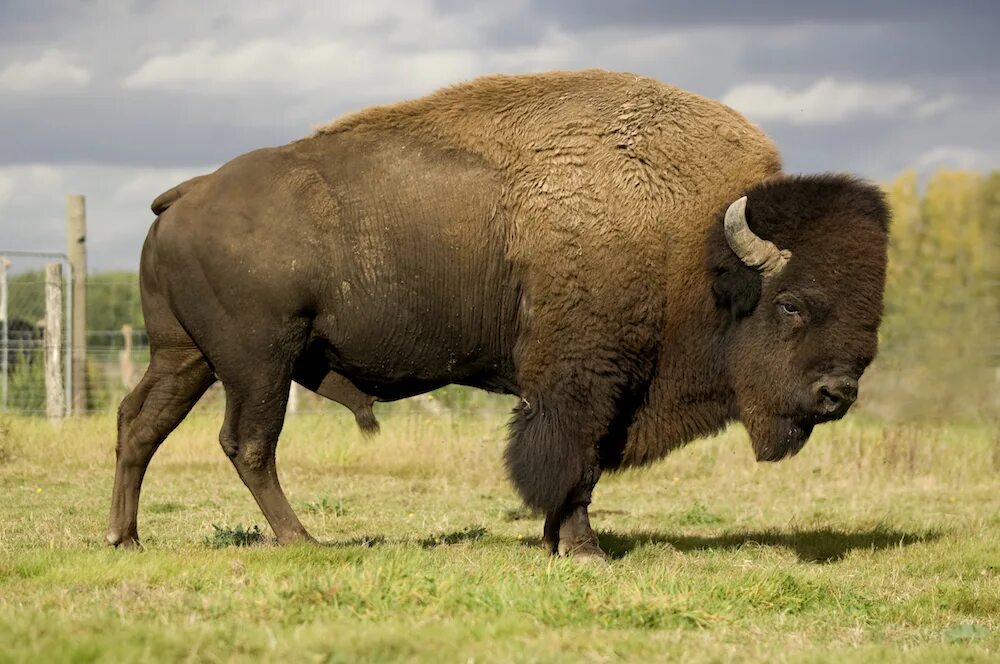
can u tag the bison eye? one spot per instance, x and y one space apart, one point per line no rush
789 309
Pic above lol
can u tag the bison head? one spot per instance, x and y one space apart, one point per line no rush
798 270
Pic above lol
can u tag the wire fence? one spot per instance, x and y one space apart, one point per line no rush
29 343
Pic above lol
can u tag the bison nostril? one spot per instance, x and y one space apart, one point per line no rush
829 401
835 395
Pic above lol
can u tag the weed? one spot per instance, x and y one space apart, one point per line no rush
467 534
325 506
698 515
224 537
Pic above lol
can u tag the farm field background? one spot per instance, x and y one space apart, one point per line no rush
876 543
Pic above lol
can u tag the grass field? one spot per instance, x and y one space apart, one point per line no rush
877 543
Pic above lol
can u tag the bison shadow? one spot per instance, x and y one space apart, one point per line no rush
822 545
467 534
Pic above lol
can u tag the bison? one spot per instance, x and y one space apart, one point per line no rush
626 257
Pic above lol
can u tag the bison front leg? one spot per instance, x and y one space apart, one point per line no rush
568 531
553 462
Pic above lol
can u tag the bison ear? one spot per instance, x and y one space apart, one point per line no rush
736 287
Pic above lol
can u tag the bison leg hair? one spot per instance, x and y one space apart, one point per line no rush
255 413
547 455
554 466
173 383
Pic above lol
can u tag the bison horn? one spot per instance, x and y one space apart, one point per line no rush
758 253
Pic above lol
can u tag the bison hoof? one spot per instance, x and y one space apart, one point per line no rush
123 541
586 552
296 537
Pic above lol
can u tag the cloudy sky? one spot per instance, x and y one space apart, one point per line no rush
121 99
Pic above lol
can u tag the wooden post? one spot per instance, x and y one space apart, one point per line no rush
76 239
55 405
125 366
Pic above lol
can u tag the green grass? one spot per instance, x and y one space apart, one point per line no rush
877 543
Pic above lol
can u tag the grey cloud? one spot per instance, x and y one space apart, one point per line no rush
677 13
903 52
103 134
132 129
27 21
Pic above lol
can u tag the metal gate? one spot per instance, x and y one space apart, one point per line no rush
35 301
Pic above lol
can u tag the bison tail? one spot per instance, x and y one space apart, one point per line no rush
172 195
545 458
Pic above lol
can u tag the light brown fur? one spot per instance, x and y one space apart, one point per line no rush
576 147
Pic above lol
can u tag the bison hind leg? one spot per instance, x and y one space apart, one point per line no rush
174 381
366 420
336 387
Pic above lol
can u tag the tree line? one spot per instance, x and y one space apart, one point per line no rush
939 353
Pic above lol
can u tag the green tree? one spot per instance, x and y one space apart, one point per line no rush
938 356
113 300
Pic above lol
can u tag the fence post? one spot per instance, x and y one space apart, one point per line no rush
55 406
125 366
4 333
76 238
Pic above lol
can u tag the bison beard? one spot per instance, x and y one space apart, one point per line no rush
776 438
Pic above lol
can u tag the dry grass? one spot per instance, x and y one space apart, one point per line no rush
876 543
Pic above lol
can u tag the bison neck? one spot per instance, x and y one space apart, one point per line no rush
690 395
